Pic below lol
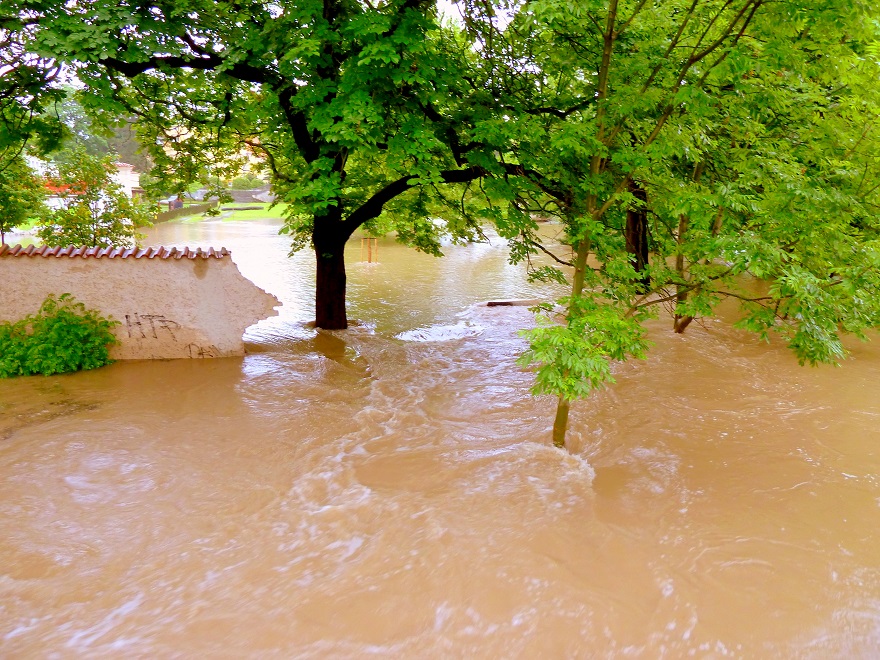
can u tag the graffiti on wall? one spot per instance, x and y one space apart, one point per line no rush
153 326
196 351
147 326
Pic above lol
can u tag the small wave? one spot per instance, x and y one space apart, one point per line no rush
533 453
275 333
460 330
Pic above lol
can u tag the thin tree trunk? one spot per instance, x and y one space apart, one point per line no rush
681 322
636 233
582 251
560 422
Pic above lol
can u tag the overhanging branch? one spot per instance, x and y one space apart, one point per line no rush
375 204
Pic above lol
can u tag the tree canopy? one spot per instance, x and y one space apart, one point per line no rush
114 137
694 150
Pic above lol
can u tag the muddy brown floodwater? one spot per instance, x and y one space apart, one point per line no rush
389 491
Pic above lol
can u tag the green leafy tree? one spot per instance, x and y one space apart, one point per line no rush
82 132
94 210
735 139
22 196
246 182
128 148
352 104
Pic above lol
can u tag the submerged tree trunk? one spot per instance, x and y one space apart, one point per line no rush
329 237
636 233
330 289
560 422
682 321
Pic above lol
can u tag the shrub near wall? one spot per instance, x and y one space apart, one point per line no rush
63 336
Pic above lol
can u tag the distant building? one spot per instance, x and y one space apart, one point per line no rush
126 177
58 193
129 179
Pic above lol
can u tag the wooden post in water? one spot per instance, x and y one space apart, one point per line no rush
372 249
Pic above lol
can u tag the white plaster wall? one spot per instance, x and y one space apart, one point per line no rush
126 177
168 308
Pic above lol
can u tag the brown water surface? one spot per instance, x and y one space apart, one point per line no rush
389 490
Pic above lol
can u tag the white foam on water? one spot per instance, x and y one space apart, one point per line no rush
87 637
460 330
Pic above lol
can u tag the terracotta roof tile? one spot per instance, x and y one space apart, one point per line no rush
112 253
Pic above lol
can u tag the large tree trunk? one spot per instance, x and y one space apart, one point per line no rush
329 240
330 289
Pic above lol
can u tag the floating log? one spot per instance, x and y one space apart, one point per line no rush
529 302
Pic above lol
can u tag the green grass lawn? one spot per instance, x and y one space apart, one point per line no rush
275 213
265 213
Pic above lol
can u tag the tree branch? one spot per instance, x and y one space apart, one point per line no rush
210 62
536 244
375 204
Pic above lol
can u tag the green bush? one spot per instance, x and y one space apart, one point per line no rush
63 336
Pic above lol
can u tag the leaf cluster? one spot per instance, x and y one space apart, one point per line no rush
28 87
574 358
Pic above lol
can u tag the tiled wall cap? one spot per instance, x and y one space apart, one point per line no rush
111 253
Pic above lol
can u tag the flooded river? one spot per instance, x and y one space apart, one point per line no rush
389 491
